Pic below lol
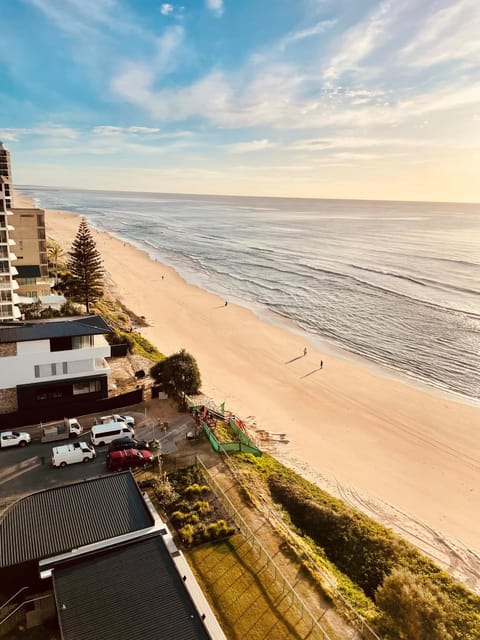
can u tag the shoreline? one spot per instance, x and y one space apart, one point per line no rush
368 437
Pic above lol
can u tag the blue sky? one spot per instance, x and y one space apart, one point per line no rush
311 98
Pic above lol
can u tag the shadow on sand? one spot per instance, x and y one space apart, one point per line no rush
311 372
293 359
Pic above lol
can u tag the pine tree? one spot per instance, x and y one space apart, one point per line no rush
85 266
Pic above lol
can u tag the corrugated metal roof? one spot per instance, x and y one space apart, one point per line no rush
58 520
54 328
131 592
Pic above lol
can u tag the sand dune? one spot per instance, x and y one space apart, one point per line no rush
409 457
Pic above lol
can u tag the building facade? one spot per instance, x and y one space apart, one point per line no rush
31 252
8 286
53 363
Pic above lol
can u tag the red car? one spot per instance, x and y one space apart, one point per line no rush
128 458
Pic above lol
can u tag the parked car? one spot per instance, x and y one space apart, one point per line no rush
128 443
72 453
14 439
128 458
115 417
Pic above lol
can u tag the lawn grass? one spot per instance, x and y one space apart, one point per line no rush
247 599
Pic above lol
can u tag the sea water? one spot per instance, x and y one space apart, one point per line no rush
396 283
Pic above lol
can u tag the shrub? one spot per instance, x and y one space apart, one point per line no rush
202 507
180 518
187 534
219 529
414 609
196 489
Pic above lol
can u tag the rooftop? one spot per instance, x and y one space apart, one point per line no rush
133 592
58 520
53 328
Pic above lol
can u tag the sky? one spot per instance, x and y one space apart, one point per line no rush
300 98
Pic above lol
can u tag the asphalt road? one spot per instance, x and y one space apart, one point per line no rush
28 469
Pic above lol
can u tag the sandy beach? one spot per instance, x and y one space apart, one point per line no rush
406 456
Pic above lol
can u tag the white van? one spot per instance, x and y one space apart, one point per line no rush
72 453
104 433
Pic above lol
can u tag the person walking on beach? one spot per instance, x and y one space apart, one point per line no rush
305 351
226 303
321 364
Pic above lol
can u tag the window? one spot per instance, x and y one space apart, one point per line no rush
61 344
82 342
50 369
49 395
87 386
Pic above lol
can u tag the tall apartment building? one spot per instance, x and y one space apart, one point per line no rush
31 251
8 285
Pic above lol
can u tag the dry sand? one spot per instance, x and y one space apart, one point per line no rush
406 456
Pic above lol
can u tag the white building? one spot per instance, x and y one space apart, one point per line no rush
56 362
8 285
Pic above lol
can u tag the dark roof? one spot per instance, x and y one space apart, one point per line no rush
53 328
131 592
58 520
28 271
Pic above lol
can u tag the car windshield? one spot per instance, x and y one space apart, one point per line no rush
15 433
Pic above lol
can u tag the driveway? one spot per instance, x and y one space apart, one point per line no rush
28 469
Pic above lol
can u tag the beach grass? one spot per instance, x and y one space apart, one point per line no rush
358 553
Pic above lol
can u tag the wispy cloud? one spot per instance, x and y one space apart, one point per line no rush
253 145
296 36
451 33
216 6
166 9
55 131
359 41
108 130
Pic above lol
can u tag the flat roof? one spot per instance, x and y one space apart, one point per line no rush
133 591
58 520
54 328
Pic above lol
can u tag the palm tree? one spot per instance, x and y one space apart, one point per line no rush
55 254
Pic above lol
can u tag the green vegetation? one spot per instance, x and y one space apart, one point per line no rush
85 266
223 432
403 593
119 319
196 521
178 374
248 601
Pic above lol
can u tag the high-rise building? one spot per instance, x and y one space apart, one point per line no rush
31 251
8 285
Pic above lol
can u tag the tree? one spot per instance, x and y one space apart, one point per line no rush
55 255
85 265
414 609
178 374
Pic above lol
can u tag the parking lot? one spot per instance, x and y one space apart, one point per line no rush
28 469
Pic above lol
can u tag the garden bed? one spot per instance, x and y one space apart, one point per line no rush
192 507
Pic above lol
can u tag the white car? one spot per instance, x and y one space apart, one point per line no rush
72 453
14 439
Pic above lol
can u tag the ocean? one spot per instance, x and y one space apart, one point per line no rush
394 283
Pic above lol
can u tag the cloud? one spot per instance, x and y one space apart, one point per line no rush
360 40
55 131
107 130
451 33
166 9
216 6
253 145
296 36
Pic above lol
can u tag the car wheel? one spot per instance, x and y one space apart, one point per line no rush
63 464
22 443
86 460
101 444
